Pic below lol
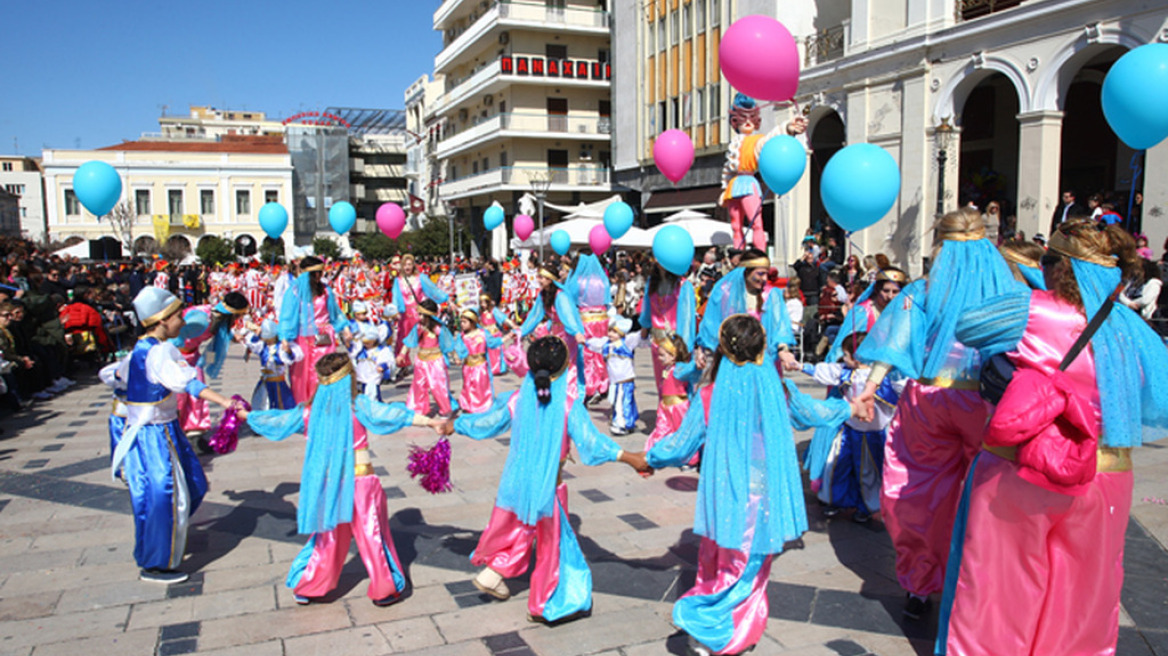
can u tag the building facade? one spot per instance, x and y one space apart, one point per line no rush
9 214
1017 81
179 191
21 177
526 97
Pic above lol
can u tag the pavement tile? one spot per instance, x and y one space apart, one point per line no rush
601 631
219 580
129 642
60 628
67 578
411 634
202 607
487 619
29 606
119 593
351 642
269 648
468 648
252 628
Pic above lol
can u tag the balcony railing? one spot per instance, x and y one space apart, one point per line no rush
537 123
825 45
970 9
560 16
572 176
521 66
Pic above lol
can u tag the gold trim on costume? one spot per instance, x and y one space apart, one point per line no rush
422 310
972 235
670 400
594 316
474 360
168 393
892 275
337 375
428 354
1018 258
314 267
950 383
469 314
763 262
274 379
163 314
1063 244
549 275
1113 459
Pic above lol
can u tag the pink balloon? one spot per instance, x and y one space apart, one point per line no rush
391 219
523 226
673 152
759 58
598 239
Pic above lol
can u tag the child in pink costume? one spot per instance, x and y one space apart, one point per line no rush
340 496
310 316
478 391
433 342
205 325
667 315
494 322
409 290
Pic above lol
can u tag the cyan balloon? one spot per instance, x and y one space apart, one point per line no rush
493 217
859 185
561 242
97 186
674 249
782 162
342 217
618 218
273 219
1134 95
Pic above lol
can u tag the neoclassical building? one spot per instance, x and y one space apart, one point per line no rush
1018 81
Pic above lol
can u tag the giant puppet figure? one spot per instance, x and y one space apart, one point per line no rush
742 194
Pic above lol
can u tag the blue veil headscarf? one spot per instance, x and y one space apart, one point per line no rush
589 283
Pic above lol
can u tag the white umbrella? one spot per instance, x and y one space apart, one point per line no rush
685 215
578 230
705 232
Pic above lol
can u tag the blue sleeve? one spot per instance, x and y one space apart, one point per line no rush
289 327
195 386
687 372
679 447
431 291
459 348
646 318
686 314
382 418
277 425
855 321
569 314
534 318
493 341
411 340
995 325
336 317
500 318
446 342
711 321
486 424
398 300
898 338
807 412
595 448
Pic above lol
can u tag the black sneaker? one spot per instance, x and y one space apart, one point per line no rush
915 607
387 601
862 517
830 511
167 576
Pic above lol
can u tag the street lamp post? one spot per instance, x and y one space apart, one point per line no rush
944 137
540 182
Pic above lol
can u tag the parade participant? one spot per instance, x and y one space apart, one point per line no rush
617 350
494 322
367 369
553 313
340 495
470 347
742 195
360 320
531 504
1041 566
210 325
938 426
310 316
409 289
117 419
433 342
592 291
864 313
852 472
668 309
153 456
1025 261
272 391
750 492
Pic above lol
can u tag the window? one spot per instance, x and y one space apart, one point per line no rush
174 202
474 167
701 102
687 20
674 28
242 201
503 159
142 201
15 189
662 118
24 212
486 163
715 12
701 14
271 196
7 166
72 206
556 51
207 201
661 35
602 55
675 114
715 102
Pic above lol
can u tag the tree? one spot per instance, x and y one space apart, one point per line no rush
215 250
325 248
375 246
272 251
121 219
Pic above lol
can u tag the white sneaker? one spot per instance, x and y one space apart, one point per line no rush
491 582
56 388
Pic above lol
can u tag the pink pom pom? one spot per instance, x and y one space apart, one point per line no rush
433 465
226 436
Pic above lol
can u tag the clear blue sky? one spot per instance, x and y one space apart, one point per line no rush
93 73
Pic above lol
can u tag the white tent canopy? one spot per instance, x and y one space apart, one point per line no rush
705 231
578 230
528 206
686 215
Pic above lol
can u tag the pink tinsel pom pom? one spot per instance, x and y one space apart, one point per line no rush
226 436
433 465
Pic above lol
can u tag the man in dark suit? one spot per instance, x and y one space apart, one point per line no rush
1065 210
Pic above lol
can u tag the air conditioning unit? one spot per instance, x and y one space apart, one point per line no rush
504 37
488 100
463 114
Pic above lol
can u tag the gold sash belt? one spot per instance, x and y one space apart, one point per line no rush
949 383
1107 459
428 354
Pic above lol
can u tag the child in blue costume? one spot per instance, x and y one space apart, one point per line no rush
165 478
750 493
272 391
617 349
531 505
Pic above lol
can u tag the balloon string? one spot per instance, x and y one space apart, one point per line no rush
1129 224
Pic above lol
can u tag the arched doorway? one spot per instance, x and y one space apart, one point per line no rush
176 248
827 138
145 245
245 246
987 168
1094 160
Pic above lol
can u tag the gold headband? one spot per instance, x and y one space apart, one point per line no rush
162 314
1018 258
758 262
338 374
315 267
422 310
726 352
470 314
549 275
667 346
1061 243
972 235
892 275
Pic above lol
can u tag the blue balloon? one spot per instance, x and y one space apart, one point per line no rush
273 219
561 242
1134 95
97 186
782 162
674 249
342 217
493 217
618 218
859 185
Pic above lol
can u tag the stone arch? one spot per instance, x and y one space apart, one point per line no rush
1051 89
981 66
